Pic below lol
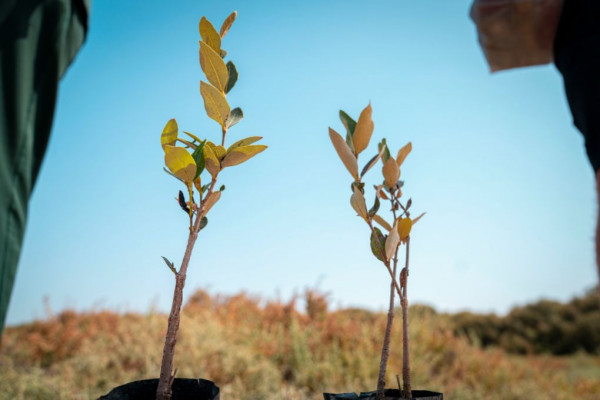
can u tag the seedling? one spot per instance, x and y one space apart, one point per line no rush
194 161
385 247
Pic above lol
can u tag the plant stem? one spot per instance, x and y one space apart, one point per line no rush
165 382
385 351
405 333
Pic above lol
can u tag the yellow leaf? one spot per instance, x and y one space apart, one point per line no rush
391 243
364 130
209 35
391 172
402 153
357 200
220 152
344 152
241 154
404 225
211 162
382 222
181 163
214 67
215 103
244 142
227 24
210 201
169 134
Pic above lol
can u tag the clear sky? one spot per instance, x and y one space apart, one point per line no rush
496 162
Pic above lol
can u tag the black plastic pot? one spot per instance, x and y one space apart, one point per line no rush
390 394
183 389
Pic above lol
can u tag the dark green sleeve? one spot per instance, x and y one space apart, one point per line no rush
38 41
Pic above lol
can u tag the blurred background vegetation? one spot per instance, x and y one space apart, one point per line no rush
297 348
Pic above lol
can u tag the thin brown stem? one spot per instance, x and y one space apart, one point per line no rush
405 332
165 382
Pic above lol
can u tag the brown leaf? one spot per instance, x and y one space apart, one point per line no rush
391 172
344 153
402 153
364 130
227 24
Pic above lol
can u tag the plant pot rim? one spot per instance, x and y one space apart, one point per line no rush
390 394
182 388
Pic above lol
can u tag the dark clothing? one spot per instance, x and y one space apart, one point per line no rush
577 57
38 41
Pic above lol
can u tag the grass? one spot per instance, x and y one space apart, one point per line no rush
256 349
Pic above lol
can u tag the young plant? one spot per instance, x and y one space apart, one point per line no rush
194 161
385 247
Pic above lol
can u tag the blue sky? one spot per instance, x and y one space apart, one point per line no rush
496 162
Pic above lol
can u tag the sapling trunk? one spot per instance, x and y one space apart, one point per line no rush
405 334
166 371
385 351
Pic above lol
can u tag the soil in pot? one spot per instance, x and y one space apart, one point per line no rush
390 394
183 389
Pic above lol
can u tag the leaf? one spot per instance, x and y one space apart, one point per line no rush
233 76
386 154
234 117
198 184
357 200
169 134
196 138
378 243
210 201
173 175
402 153
382 222
364 130
348 122
380 192
391 172
214 67
215 103
414 221
222 188
188 144
182 202
209 35
169 264
198 156
344 153
223 53
241 154
371 163
404 226
391 243
227 24
219 152
180 163
375 208
212 164
244 142
203 223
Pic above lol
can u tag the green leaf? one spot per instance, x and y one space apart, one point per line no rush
222 188
213 66
209 35
375 208
386 154
215 103
378 244
348 122
170 265
233 76
244 142
169 134
234 117
203 223
241 154
227 24
198 156
180 163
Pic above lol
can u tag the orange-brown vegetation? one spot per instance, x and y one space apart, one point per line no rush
272 349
